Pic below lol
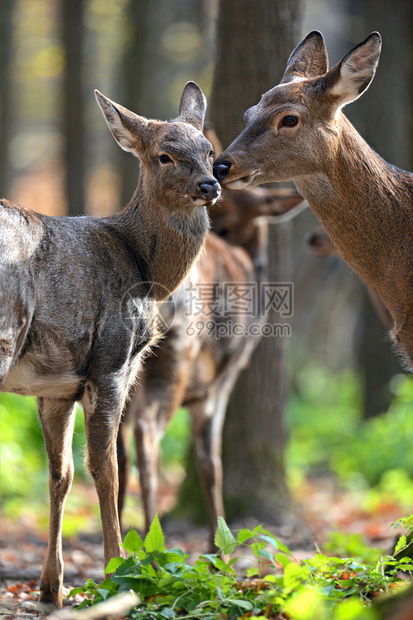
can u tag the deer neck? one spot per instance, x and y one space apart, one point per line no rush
165 241
365 206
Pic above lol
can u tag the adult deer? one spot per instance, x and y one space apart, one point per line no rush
201 356
298 131
78 301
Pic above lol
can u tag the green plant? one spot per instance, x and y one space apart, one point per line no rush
327 434
169 587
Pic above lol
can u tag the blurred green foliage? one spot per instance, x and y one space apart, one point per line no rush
175 442
351 545
327 434
23 460
323 414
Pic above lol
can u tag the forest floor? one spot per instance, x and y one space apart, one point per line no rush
322 507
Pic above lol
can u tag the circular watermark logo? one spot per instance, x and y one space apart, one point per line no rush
141 311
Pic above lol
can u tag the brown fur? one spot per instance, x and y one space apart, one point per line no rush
364 203
77 307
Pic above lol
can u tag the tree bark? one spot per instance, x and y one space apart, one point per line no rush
254 41
73 106
254 435
132 73
6 36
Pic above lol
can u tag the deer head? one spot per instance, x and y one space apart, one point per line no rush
294 129
176 158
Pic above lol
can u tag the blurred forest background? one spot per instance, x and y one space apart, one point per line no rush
341 404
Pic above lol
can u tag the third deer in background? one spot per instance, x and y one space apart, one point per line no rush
200 358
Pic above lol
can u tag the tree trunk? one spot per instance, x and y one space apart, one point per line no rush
254 42
6 35
132 72
73 107
254 435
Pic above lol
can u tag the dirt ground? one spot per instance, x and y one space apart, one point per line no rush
320 506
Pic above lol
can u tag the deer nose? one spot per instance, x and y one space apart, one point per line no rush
221 171
209 189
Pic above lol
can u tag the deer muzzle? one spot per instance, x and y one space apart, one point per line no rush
231 176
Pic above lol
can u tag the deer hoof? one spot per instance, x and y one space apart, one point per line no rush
51 595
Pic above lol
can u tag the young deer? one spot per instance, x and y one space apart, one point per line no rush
78 301
201 356
298 131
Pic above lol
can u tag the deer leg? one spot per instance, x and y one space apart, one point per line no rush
147 440
57 418
207 425
102 417
152 406
123 467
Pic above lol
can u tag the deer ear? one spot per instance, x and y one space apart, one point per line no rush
127 128
347 80
192 106
308 60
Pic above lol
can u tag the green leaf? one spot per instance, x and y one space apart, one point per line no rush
400 544
103 593
244 535
133 542
223 566
178 551
252 572
113 564
75 591
276 543
257 546
267 555
167 612
282 559
241 604
224 539
155 540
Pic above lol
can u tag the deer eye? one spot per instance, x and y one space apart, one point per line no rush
211 154
289 121
165 159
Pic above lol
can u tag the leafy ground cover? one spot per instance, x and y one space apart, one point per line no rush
275 584
351 478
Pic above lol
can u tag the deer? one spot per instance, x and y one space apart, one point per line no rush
201 356
78 302
299 132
